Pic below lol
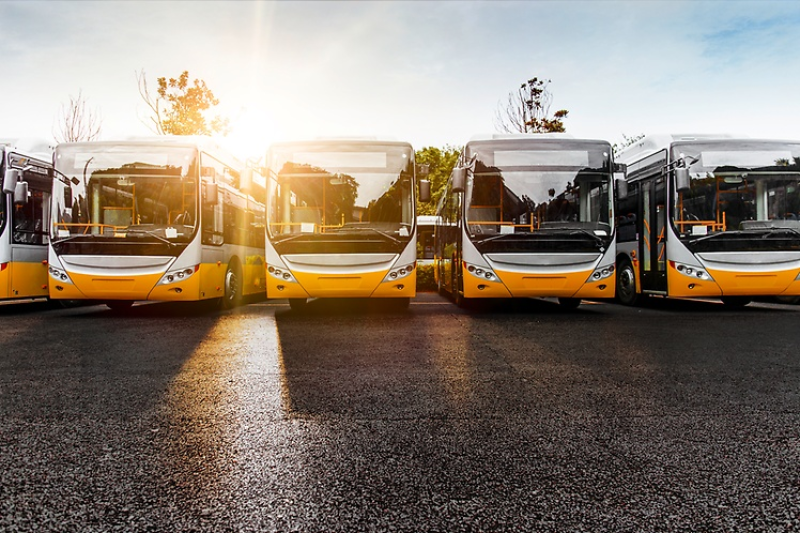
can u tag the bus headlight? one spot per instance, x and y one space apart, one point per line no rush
399 273
481 272
692 271
175 276
602 272
281 274
59 275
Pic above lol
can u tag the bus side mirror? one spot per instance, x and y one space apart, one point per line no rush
10 180
683 182
459 178
621 183
424 191
423 170
211 193
246 180
21 193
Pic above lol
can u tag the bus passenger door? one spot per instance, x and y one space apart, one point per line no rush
653 245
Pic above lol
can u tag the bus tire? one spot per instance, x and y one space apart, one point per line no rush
119 305
569 303
233 286
626 284
298 304
736 301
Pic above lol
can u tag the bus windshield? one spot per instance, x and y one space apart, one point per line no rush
739 190
532 191
140 192
333 190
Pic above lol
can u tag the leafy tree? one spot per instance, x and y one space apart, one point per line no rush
626 141
77 122
528 110
440 163
179 108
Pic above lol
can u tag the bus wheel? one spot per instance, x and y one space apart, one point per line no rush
298 304
569 303
736 301
233 287
626 284
119 305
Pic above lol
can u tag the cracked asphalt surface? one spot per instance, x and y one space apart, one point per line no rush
679 416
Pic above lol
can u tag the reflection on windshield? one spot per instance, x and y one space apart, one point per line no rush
531 201
732 197
364 193
149 195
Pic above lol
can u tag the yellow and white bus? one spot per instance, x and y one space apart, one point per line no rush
528 215
342 220
709 217
24 214
164 218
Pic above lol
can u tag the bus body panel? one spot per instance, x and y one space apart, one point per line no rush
27 272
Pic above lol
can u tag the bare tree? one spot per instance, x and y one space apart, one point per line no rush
527 110
626 141
77 122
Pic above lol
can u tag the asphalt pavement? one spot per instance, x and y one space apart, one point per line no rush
352 416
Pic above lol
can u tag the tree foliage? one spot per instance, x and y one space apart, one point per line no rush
440 163
77 122
528 110
178 108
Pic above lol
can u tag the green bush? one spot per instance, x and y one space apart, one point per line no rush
425 278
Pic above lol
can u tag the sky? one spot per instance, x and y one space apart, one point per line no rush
433 73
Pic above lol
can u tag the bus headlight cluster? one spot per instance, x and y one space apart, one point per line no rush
484 273
176 276
602 273
281 274
399 273
59 275
693 272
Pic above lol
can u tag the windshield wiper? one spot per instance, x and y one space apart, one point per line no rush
346 229
773 231
151 234
73 237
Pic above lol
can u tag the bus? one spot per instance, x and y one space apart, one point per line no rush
528 215
709 216
342 220
167 218
24 213
426 230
